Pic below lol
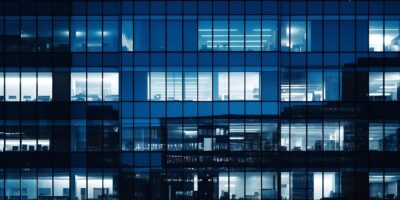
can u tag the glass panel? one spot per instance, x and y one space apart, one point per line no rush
28 185
61 36
78 86
376 185
29 136
314 136
298 36
1 87
44 40
220 35
252 86
236 34
236 89
314 85
205 86
141 33
174 86
236 185
157 86
253 185
28 36
13 190
297 136
157 33
80 182
331 84
12 87
376 36
94 86
45 183
61 184
298 83
110 36
285 32
392 132
78 135
375 136
127 36
127 137
269 185
190 86
28 86
78 36
45 86
333 136
285 186
95 186
269 35
110 87
95 34
392 86
253 34
376 86
392 36
221 81
205 35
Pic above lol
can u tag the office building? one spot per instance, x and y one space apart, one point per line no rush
200 99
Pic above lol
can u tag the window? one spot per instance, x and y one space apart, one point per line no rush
168 86
293 36
95 34
45 86
94 83
94 86
384 86
110 36
78 87
384 35
28 86
127 35
237 34
269 35
28 35
78 36
12 87
1 87
61 36
190 86
204 86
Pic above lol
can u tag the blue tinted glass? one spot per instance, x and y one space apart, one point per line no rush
95 34
110 36
141 34
78 36
127 35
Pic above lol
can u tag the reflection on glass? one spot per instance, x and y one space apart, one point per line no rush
293 36
384 35
127 35
78 36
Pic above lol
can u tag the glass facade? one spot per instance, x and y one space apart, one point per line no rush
185 99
